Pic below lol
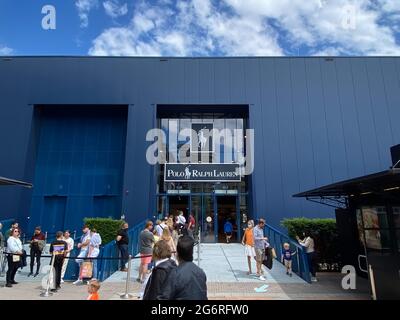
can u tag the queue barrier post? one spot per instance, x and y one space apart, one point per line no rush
198 249
126 295
47 293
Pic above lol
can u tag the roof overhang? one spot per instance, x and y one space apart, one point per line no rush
381 183
11 182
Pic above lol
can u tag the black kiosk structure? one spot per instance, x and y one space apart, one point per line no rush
368 224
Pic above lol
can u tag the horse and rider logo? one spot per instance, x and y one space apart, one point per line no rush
202 134
188 174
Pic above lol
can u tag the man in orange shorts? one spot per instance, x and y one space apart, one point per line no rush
146 242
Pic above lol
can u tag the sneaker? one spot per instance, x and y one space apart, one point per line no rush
290 274
314 279
36 274
53 290
9 285
124 269
14 282
79 281
30 274
287 272
262 278
138 280
62 280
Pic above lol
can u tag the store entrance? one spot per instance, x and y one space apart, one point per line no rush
228 218
178 203
211 212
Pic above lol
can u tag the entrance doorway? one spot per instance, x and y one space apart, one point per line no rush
227 213
178 203
211 211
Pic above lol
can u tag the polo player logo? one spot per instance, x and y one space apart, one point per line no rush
187 173
202 139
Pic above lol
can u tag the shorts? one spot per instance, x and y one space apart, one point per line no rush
260 255
229 234
145 258
249 251
287 263
82 254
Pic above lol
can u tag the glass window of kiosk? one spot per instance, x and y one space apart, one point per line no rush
373 227
396 224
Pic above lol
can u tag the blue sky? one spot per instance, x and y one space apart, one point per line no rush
202 27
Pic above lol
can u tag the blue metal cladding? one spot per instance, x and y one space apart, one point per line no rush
316 120
79 166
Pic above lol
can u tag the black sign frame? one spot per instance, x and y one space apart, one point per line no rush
208 167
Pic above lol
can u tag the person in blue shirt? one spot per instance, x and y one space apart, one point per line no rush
287 258
228 229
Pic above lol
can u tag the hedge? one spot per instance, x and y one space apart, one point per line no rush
107 227
324 233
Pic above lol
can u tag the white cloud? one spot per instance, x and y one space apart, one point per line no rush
351 27
114 9
5 51
84 7
255 28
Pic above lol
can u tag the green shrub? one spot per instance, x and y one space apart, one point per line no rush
107 227
324 233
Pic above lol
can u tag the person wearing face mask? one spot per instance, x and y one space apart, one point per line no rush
248 242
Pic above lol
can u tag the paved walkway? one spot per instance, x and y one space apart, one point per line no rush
225 267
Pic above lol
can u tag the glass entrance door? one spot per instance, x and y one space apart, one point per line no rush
211 212
228 222
208 219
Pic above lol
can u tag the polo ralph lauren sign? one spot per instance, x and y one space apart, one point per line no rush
201 172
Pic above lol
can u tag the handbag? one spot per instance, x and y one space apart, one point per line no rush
86 270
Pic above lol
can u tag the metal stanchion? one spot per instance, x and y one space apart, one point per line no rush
198 249
47 293
126 295
372 279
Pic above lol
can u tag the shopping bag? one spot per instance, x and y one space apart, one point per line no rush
268 258
273 253
86 270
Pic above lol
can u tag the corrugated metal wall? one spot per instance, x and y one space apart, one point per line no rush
316 120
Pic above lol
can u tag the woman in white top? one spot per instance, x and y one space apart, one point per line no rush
70 243
308 244
14 248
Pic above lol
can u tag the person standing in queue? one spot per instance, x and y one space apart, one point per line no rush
309 244
146 242
122 244
187 281
37 245
84 246
70 242
14 249
58 250
163 267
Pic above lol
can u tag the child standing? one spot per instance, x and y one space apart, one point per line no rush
93 288
287 258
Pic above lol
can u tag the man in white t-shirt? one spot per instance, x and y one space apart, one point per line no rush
70 243
84 246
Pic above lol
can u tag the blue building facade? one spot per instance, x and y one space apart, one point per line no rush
76 127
